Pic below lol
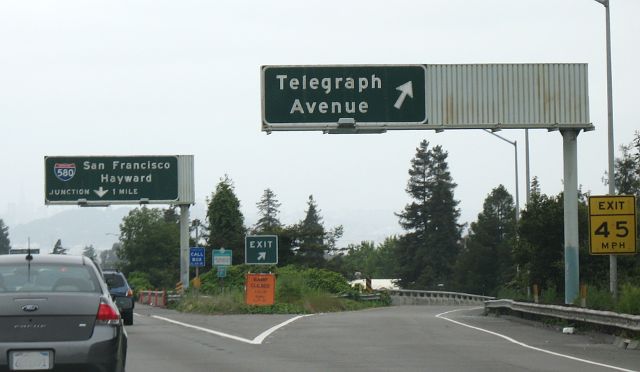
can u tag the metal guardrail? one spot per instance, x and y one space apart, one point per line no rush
606 318
416 297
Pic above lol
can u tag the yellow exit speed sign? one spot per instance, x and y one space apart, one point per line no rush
612 224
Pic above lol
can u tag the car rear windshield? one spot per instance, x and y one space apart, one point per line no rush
114 280
47 278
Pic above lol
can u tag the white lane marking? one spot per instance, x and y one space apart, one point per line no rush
256 341
441 316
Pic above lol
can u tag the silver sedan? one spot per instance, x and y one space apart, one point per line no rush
56 314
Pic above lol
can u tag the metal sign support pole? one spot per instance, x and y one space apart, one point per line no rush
571 240
184 245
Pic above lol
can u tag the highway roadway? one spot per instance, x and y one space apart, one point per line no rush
400 338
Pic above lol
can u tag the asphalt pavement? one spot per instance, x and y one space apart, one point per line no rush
399 338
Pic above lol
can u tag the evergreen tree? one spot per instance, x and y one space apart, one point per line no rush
540 252
311 235
268 223
90 252
486 262
627 177
542 240
58 248
226 222
5 243
109 258
376 262
627 169
150 244
287 244
428 251
196 229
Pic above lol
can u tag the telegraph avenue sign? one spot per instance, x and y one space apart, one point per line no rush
377 98
111 179
350 94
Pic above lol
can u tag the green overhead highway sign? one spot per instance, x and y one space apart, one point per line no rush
349 95
261 249
111 179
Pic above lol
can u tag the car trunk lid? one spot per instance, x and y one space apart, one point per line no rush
47 317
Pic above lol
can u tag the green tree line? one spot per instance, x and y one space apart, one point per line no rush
496 252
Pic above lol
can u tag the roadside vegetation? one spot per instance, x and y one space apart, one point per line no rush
499 254
298 291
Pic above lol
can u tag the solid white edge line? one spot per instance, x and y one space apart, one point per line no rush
441 316
256 341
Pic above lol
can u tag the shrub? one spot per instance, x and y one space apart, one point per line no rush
511 294
550 295
139 281
326 281
290 287
599 299
629 301
298 290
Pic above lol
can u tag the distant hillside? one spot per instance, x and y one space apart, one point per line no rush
100 227
76 227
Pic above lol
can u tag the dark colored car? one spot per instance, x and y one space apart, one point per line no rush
56 313
121 293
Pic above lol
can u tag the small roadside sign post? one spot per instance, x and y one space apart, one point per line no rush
261 250
222 259
221 272
260 289
196 257
197 260
612 225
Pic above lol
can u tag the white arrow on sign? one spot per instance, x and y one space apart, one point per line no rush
406 89
101 192
262 256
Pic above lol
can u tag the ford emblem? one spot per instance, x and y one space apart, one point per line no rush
30 308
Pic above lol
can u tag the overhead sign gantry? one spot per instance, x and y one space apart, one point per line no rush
377 98
105 180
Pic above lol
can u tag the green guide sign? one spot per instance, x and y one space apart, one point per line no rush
111 179
334 94
261 249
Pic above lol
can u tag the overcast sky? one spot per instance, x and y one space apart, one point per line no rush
183 77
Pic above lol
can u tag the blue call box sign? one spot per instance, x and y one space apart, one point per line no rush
196 257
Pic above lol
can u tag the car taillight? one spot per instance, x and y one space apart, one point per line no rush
107 314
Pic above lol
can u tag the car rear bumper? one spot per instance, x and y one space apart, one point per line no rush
105 350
